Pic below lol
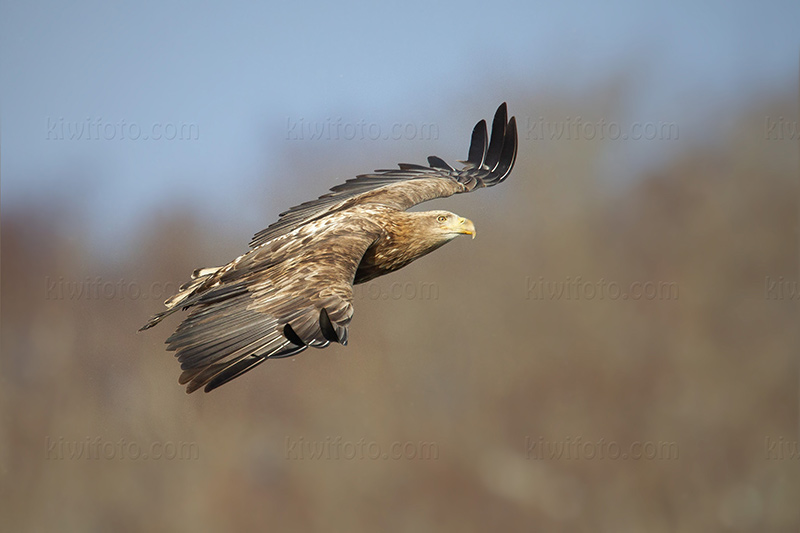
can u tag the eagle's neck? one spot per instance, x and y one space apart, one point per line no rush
405 238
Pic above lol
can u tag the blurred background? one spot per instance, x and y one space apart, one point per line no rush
616 351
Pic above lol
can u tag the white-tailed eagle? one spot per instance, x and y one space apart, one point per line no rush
294 287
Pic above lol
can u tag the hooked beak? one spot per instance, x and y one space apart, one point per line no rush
466 226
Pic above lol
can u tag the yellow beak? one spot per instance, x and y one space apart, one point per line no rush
466 226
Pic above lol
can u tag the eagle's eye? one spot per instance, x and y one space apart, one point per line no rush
441 218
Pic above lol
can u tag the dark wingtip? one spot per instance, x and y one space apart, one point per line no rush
438 162
325 324
477 145
509 154
293 337
499 156
497 138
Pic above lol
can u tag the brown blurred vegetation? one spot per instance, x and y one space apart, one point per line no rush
481 371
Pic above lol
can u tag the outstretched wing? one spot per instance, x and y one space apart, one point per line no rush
273 302
489 162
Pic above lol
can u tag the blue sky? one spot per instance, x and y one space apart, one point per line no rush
240 73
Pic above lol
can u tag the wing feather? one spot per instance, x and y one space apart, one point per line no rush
497 139
250 313
410 184
477 145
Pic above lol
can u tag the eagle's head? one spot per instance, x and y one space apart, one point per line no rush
446 225
417 233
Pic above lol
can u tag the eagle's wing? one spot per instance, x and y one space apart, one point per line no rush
488 163
272 302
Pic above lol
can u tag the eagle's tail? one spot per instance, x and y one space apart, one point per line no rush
191 288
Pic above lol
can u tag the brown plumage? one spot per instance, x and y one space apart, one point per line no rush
294 287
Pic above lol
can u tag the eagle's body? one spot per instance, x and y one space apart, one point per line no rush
294 287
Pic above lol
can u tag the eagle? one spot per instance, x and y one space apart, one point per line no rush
294 287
